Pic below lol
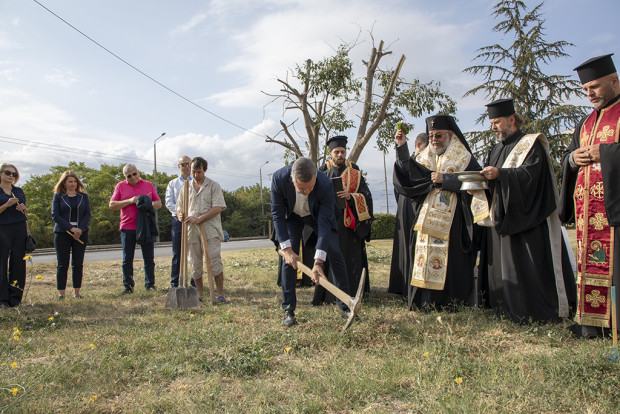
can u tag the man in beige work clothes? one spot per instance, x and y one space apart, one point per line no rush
206 202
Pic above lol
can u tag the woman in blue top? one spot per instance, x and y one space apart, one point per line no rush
71 213
12 237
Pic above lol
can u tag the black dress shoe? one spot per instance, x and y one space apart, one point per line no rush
289 318
345 313
127 291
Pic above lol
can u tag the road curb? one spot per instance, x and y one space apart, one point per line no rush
105 247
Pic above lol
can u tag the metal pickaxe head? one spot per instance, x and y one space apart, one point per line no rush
355 304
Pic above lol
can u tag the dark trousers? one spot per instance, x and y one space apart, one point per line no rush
128 239
337 266
66 246
175 229
12 263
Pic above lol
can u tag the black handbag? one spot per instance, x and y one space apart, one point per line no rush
31 243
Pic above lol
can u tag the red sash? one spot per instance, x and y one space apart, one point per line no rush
351 179
595 237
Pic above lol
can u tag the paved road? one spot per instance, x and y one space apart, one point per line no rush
164 251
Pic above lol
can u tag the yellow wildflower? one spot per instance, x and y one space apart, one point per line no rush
14 391
51 318
14 365
458 380
16 331
92 346
268 372
16 337
426 354
287 349
191 315
93 398
3 364
39 277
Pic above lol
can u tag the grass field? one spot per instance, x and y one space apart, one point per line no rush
107 354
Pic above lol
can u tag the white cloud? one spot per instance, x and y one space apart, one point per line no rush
188 26
279 39
61 78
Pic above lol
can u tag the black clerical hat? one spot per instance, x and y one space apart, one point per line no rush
500 107
337 141
439 122
595 68
448 123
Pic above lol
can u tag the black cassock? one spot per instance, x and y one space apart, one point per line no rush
610 169
352 242
516 264
413 180
402 253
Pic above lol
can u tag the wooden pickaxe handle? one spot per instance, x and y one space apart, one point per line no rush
346 299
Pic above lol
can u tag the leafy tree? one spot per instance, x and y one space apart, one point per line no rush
242 216
514 71
331 99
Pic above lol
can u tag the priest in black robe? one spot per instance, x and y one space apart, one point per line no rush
528 277
354 215
444 254
590 197
402 247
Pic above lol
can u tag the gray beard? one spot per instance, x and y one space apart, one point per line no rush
437 151
501 136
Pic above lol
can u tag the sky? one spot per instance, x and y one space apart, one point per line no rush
64 98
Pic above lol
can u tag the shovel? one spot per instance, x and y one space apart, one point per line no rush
184 296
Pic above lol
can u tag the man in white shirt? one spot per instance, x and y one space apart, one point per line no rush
172 195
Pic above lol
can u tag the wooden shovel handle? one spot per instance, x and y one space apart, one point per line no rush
346 299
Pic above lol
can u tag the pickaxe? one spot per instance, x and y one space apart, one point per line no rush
354 304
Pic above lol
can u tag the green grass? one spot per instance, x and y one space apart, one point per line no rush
238 358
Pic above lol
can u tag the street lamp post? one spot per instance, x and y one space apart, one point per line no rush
155 179
262 207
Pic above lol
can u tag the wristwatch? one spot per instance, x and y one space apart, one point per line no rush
320 264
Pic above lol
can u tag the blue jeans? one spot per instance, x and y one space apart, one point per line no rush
128 239
175 229
337 266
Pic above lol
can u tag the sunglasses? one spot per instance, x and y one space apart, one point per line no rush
9 173
183 164
132 175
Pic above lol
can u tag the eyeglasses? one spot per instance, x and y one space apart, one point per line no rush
183 164
10 173
437 137
132 175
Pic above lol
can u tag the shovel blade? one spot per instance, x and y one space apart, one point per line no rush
183 298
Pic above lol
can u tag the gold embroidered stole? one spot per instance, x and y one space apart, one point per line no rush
595 237
435 218
351 180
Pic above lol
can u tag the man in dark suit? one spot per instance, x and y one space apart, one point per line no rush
302 195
